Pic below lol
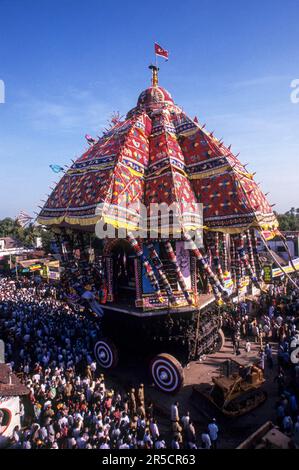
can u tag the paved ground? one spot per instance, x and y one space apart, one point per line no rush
233 430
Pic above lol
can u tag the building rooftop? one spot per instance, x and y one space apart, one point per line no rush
10 242
10 385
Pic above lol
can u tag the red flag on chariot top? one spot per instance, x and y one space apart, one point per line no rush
160 51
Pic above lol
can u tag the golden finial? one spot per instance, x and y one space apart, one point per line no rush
154 70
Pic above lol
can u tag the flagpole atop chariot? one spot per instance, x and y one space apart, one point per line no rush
155 71
159 52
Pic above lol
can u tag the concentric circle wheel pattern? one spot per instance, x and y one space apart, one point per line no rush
106 354
167 373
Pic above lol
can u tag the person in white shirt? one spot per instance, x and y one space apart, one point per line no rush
123 445
279 320
63 422
154 429
36 378
43 433
186 420
174 412
93 366
266 330
105 445
78 417
147 439
26 444
160 444
125 420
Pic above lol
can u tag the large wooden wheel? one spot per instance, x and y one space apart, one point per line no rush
106 353
167 373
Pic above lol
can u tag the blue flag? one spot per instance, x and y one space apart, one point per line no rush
56 168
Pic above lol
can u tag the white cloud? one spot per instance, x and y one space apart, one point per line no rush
75 111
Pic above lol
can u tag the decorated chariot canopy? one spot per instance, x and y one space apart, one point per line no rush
156 155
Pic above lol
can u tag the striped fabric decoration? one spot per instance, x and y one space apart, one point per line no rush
233 261
173 259
238 268
244 259
258 267
159 267
224 252
216 256
218 290
146 264
243 269
250 251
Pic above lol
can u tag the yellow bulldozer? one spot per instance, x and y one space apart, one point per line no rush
237 390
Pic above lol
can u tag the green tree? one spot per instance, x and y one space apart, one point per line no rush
25 235
289 221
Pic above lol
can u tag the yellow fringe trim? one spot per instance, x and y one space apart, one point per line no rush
206 174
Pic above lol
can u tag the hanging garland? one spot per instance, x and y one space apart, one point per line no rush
173 259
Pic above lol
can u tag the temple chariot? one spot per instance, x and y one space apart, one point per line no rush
175 215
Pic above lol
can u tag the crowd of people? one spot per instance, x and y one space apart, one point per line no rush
70 405
274 319
273 322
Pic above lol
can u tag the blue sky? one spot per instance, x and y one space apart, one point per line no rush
68 64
